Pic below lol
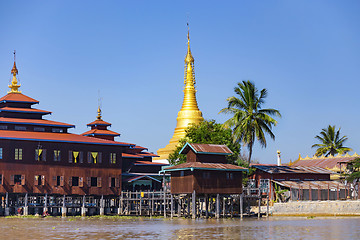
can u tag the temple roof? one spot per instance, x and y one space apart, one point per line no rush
129 155
93 132
35 122
56 137
18 97
23 110
206 149
98 122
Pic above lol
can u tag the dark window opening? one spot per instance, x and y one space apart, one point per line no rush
94 182
1 179
113 182
17 179
20 128
39 129
75 181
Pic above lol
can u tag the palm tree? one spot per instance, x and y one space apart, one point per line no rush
249 122
331 142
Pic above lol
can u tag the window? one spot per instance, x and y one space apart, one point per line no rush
57 156
3 127
20 128
58 181
39 180
229 176
206 175
74 181
39 129
18 153
57 130
1 152
94 157
1 179
76 157
181 173
94 181
17 180
112 158
40 154
113 182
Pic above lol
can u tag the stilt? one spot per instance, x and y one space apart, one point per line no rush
267 206
120 204
194 204
179 206
223 207
26 205
259 213
45 210
217 206
102 209
63 209
231 207
140 203
206 206
83 209
241 206
172 207
188 205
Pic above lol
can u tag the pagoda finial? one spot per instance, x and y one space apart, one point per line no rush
14 87
189 58
99 114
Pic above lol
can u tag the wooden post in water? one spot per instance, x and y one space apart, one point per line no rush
223 207
140 203
193 204
172 207
267 206
26 207
120 204
217 206
179 206
188 205
63 210
241 206
206 206
259 213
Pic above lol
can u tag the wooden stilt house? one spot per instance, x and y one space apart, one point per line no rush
206 171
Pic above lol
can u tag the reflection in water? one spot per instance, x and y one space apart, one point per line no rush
145 228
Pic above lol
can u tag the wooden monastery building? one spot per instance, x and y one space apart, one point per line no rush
205 171
39 156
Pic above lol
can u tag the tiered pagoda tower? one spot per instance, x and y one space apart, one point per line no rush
189 112
99 129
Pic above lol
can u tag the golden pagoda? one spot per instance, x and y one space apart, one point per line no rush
189 112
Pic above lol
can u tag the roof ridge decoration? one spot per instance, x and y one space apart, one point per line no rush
14 87
347 155
307 157
355 155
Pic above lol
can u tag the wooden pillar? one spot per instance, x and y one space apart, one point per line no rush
231 207
45 210
164 203
102 209
83 209
328 192
310 193
120 204
241 206
172 207
319 192
188 205
179 206
217 206
140 203
206 206
267 206
63 209
26 206
337 192
223 207
259 213
193 204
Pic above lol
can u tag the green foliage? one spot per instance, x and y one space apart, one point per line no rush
208 132
354 170
249 121
331 142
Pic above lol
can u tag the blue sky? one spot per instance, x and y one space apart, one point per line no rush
306 53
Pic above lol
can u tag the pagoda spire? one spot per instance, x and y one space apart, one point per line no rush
14 87
189 113
99 114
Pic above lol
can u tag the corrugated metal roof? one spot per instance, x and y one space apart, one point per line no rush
311 184
274 169
206 149
210 166
329 163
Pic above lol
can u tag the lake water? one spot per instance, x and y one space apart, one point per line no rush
159 228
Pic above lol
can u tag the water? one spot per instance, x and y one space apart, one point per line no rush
158 228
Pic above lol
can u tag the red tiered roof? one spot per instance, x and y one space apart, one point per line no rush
94 132
56 137
98 122
23 110
35 122
18 97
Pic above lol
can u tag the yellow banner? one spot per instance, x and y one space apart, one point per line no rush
94 155
39 151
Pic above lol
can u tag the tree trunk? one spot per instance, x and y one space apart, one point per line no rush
250 152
